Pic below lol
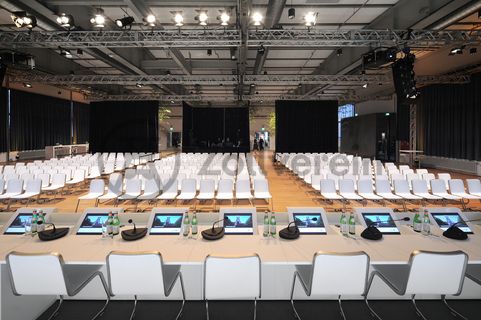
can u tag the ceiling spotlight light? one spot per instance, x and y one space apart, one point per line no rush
364 85
124 22
261 50
139 85
224 18
150 19
456 50
202 17
291 13
257 18
98 20
65 20
178 19
22 19
233 55
253 85
339 52
172 101
262 101
27 85
310 19
66 53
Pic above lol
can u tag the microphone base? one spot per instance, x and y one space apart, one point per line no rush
455 233
213 233
49 235
133 234
371 233
289 233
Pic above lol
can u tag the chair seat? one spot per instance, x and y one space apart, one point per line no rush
53 187
129 196
447 196
477 194
225 196
350 196
465 195
167 196
427 196
25 195
186 196
90 196
369 196
74 181
262 195
331 196
148 196
8 195
389 196
109 196
243 195
408 196
206 196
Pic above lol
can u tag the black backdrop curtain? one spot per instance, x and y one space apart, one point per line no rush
215 129
3 119
124 126
306 126
81 121
37 121
451 119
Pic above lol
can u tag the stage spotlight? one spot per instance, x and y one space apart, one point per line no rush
262 101
178 19
150 19
124 22
456 50
224 18
27 85
233 55
310 19
257 18
253 85
291 13
66 53
202 17
261 50
339 52
65 20
98 20
365 85
139 85
172 101
22 19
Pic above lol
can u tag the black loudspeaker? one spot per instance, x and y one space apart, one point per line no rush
455 233
133 234
3 71
53 234
290 232
371 233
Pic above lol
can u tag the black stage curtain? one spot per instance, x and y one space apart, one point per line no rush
81 121
215 129
37 121
3 119
306 126
124 126
451 119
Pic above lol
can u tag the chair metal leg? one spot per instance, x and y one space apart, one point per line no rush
418 312
107 293
179 314
55 312
76 208
255 308
340 307
135 307
371 310
207 308
454 312
296 315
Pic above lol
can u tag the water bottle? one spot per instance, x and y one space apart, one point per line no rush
34 222
186 225
115 224
105 227
110 230
265 232
343 223
272 227
426 224
352 224
28 226
40 222
194 224
417 222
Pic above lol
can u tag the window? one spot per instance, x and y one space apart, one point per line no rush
345 111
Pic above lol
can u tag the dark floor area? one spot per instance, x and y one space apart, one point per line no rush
278 310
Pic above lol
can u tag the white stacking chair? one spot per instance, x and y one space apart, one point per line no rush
321 278
114 188
45 178
170 191
426 274
421 171
244 274
133 189
151 190
420 189
474 187
383 189
243 190
14 188
78 176
457 188
401 188
97 189
347 191
438 188
94 172
26 176
225 190
58 183
33 188
365 190
261 191
207 191
188 190
328 190
316 181
445 177
56 279
2 186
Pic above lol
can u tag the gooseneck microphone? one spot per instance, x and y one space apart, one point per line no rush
214 233
454 232
133 234
54 233
373 233
291 233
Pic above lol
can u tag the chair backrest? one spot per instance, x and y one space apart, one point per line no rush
130 174
2 185
346 185
445 177
316 179
123 281
58 179
225 186
115 183
401 186
419 186
189 185
97 186
243 185
27 176
474 185
151 186
172 186
339 273
207 186
222 274
95 171
364 186
14 186
328 186
456 186
33 186
45 178
261 185
51 282
383 186
438 186
79 174
133 186
436 272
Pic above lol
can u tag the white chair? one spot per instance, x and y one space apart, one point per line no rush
328 190
420 189
207 191
365 190
321 278
151 190
170 191
474 187
57 279
58 183
316 181
45 178
383 189
78 176
153 277
457 188
32 191
243 274
2 186
429 273
421 171
438 188
243 190
261 191
225 190
188 190
347 191
94 172
114 188
401 188
132 190
445 177
97 188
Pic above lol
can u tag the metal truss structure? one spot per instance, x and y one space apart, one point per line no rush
281 80
232 38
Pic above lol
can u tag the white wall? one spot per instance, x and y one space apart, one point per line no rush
258 120
175 121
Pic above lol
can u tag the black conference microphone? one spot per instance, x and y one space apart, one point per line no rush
290 233
453 232
373 233
214 233
133 234
54 233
